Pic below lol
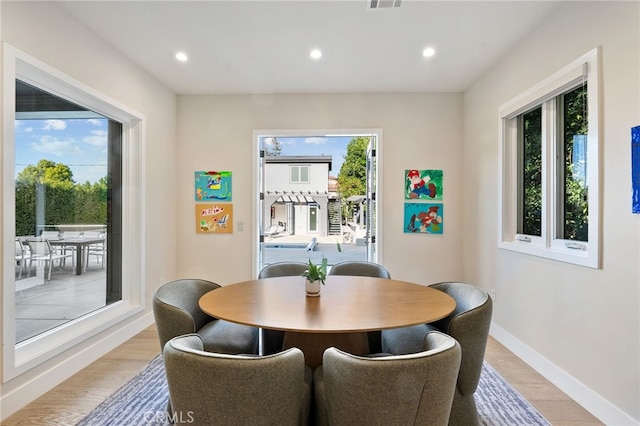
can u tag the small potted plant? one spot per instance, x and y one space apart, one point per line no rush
315 274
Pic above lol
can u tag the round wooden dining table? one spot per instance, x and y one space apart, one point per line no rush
348 307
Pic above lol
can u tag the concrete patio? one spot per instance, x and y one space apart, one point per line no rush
41 305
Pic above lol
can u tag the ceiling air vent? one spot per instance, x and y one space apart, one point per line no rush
383 4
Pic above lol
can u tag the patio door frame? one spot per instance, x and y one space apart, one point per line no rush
374 193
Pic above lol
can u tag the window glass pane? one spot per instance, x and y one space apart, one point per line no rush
304 174
64 211
295 174
530 220
575 223
313 218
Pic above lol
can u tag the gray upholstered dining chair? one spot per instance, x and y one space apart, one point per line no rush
469 324
363 269
272 340
176 312
220 389
412 389
360 268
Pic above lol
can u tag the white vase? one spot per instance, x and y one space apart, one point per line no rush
312 288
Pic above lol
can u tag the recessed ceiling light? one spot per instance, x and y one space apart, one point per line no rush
315 54
428 52
182 57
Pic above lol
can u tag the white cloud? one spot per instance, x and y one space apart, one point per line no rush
95 121
315 141
97 138
54 146
54 125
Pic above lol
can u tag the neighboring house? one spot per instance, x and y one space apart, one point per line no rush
297 198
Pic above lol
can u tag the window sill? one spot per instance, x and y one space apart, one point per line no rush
43 347
567 255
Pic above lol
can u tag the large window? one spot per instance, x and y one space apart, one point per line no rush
550 195
68 211
72 174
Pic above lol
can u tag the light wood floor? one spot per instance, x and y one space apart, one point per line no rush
69 402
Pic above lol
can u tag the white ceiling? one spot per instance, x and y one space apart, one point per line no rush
262 46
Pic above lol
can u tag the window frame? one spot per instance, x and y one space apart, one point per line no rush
547 245
22 357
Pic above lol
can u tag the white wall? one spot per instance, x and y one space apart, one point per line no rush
583 321
420 132
42 30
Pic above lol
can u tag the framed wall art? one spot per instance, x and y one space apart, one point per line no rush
213 185
423 218
214 218
423 184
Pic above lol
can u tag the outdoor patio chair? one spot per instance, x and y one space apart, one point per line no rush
41 252
70 249
50 234
274 230
99 250
22 255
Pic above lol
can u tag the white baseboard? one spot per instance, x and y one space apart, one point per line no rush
31 390
606 412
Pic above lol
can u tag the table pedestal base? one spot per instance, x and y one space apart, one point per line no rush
314 344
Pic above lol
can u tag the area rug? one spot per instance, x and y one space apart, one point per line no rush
143 402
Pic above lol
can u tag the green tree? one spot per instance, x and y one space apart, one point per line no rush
276 148
47 172
532 173
352 178
571 186
576 206
91 202
65 201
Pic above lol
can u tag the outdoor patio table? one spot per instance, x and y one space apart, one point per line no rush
80 244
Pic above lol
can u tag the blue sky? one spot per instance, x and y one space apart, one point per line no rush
336 146
81 144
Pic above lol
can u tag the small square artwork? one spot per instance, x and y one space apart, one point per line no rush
423 218
214 218
635 169
423 184
213 185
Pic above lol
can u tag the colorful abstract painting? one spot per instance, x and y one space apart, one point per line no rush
425 218
212 185
635 169
214 218
423 184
